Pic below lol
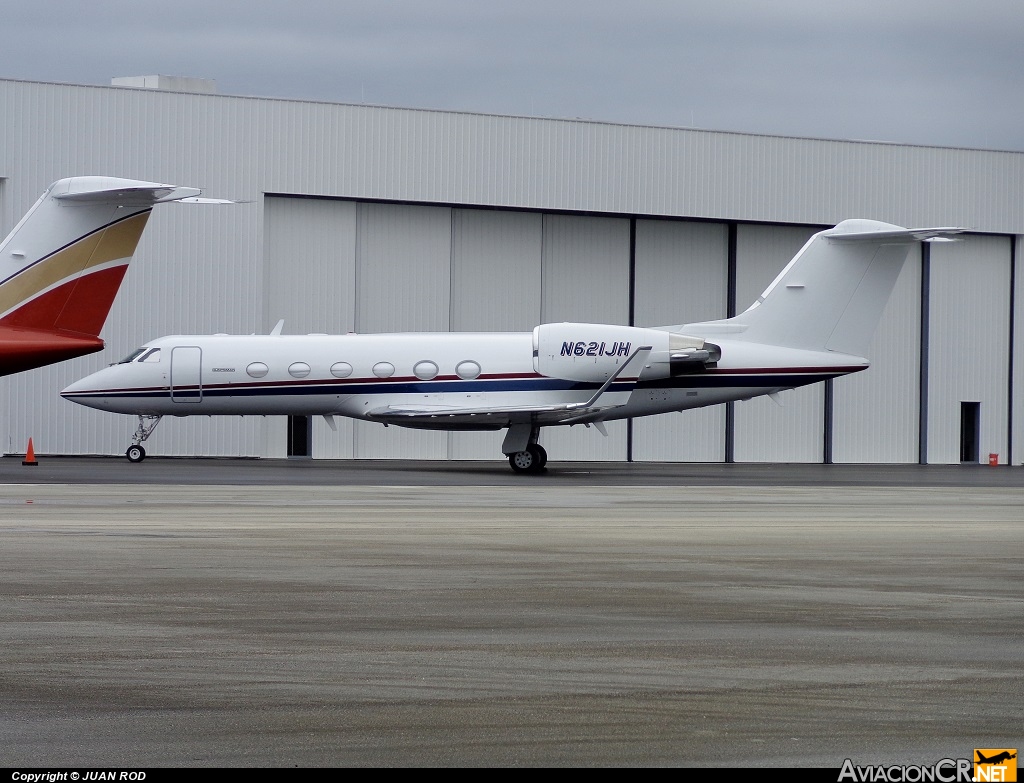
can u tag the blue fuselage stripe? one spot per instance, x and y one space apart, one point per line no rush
716 381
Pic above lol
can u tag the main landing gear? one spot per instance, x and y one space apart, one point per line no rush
147 424
531 460
524 454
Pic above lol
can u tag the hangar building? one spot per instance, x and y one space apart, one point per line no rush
370 218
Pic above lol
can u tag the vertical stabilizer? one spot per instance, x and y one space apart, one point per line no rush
830 297
62 265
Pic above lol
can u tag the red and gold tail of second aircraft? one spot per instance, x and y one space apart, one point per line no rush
62 265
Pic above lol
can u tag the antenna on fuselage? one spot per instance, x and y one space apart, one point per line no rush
276 331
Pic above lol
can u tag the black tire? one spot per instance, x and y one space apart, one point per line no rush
531 460
521 461
542 456
135 454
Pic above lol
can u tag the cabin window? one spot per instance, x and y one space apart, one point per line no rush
257 370
153 356
467 370
298 369
341 369
425 370
383 369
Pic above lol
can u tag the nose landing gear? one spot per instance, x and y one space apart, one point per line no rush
147 424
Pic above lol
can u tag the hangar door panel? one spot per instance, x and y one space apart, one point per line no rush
403 268
1018 365
310 264
875 413
310 282
403 274
969 344
496 272
681 275
585 273
765 432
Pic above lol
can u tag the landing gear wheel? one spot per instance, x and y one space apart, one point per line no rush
147 423
522 462
532 460
542 456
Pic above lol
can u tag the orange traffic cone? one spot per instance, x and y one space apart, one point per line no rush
30 455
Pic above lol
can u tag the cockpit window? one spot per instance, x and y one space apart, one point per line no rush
152 356
133 355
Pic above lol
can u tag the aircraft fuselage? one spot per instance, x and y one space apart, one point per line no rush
360 376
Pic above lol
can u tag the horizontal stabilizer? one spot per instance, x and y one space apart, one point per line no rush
118 192
195 200
896 235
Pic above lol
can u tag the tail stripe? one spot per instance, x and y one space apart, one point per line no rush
112 242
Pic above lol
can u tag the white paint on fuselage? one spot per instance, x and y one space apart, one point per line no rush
507 377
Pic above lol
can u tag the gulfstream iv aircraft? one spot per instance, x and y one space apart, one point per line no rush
61 266
814 322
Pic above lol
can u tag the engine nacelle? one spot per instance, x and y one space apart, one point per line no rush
593 352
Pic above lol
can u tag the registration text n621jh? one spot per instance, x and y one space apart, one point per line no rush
581 348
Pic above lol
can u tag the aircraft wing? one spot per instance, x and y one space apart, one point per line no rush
497 415
604 399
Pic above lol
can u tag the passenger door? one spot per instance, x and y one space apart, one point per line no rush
186 374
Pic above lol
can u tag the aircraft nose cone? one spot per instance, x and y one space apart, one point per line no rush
81 385
86 385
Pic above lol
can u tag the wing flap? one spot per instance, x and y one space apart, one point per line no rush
438 414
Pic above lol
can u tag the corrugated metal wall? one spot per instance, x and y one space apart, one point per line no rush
496 286
403 279
245 146
332 265
585 278
681 276
968 353
766 431
310 273
1016 453
876 412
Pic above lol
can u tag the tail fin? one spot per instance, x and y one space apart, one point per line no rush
62 265
830 297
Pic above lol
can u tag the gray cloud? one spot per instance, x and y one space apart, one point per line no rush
912 71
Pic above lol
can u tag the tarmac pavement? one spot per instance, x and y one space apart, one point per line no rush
253 613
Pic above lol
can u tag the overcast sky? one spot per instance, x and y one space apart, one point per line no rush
937 72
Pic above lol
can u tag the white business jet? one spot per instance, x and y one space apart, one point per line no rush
813 323
62 265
